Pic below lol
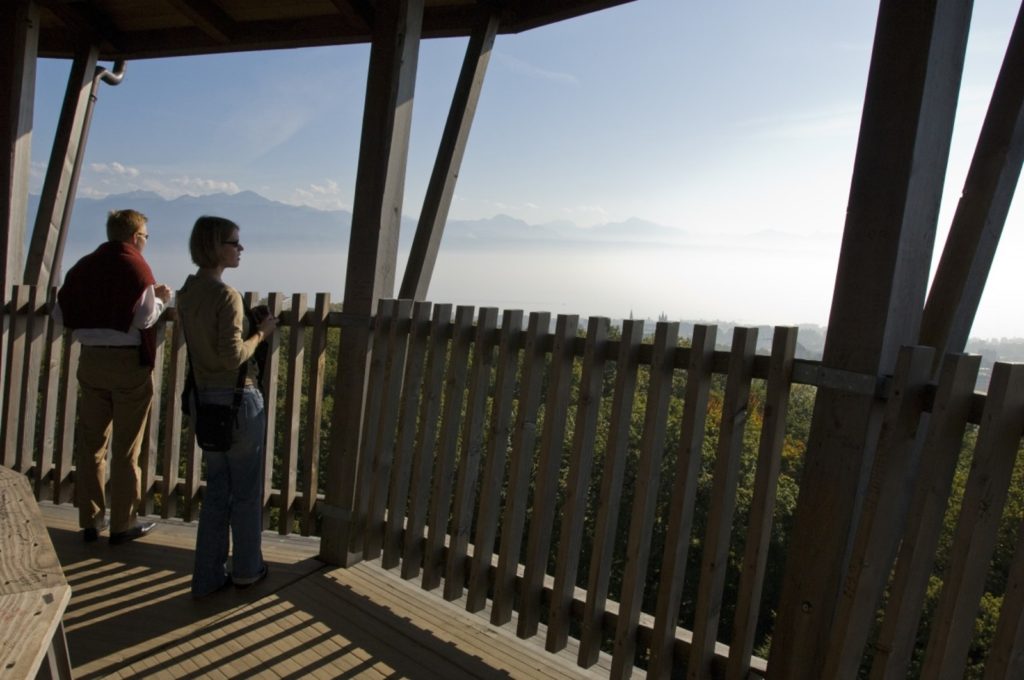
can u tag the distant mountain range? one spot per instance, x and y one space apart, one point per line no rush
271 222
171 220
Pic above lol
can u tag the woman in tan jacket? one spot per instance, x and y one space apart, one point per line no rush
220 342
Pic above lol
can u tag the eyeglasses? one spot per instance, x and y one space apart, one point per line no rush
234 244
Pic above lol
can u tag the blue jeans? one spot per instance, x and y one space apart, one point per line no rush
234 498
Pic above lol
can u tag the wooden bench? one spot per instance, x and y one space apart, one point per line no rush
33 590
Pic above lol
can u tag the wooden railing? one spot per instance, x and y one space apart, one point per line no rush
585 485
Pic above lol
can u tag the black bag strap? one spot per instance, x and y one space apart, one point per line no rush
191 379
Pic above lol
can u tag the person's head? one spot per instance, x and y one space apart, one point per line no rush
214 242
127 226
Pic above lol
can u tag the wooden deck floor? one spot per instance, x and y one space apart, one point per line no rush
131 615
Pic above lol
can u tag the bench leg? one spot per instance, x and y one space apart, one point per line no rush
57 655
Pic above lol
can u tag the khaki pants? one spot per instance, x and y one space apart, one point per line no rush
116 393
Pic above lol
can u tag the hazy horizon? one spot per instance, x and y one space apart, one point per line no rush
690 278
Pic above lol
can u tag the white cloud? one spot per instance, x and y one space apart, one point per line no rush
103 179
92 192
327 195
330 188
114 168
201 185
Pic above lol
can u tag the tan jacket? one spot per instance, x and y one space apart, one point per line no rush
214 322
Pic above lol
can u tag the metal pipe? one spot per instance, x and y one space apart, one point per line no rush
112 77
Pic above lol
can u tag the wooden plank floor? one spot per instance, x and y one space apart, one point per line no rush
131 616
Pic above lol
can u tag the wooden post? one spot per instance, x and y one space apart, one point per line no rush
884 515
58 187
19 38
373 249
434 214
913 85
981 213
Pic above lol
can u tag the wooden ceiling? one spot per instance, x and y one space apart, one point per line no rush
139 29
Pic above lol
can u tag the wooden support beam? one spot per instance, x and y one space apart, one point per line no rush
57 197
19 45
913 85
981 213
438 199
373 248
19 36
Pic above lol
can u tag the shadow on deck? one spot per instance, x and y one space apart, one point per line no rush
131 615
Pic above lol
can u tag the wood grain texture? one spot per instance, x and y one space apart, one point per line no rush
33 590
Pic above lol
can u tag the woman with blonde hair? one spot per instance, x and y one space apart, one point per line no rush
221 346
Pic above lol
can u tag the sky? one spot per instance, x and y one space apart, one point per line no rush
735 123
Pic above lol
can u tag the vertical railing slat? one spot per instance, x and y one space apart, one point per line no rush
397 348
192 482
545 492
577 484
684 496
151 433
523 441
1005 661
64 455
292 408
471 451
638 545
499 432
16 348
172 425
762 505
916 559
976 530
34 349
50 395
715 555
193 474
269 378
626 366
444 464
314 411
426 439
401 469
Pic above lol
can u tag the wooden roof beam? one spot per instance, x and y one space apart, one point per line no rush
359 13
91 25
209 17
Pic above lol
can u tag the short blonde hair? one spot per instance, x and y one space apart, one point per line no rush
123 224
207 234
